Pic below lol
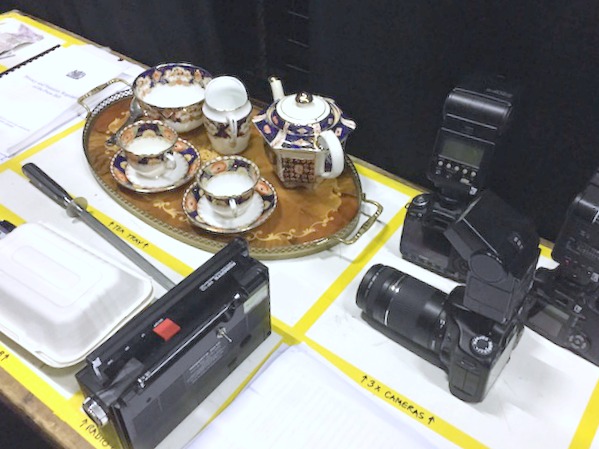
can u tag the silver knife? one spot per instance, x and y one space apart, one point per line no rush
77 207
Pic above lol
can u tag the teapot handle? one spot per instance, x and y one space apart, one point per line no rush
333 145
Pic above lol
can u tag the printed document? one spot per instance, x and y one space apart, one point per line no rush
299 401
42 95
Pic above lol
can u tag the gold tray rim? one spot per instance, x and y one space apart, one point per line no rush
205 242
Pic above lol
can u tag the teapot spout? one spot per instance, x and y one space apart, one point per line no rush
276 86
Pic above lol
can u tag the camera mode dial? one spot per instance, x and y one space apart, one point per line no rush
578 341
420 200
481 345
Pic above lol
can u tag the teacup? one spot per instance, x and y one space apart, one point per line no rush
228 184
173 93
148 147
226 115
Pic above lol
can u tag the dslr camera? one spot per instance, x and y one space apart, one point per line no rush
471 332
476 117
563 304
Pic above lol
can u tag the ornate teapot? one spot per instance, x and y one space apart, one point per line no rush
305 134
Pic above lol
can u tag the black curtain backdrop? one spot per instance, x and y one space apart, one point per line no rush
390 64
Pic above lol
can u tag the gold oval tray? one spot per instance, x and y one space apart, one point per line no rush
304 222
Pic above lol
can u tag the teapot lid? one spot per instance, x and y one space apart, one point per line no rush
303 108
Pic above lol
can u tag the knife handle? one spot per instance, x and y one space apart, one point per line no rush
47 185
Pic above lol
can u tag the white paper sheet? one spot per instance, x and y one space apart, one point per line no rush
299 401
25 51
42 95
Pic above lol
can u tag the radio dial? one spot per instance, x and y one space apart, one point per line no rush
95 412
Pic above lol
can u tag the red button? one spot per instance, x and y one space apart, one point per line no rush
167 329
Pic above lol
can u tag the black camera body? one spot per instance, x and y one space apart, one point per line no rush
472 349
476 117
423 240
502 250
563 304
145 379
471 332
475 349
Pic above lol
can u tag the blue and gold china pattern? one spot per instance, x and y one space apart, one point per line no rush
281 133
222 130
185 116
153 128
223 164
264 193
182 148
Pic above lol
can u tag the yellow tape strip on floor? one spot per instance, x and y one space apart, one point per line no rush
397 400
67 38
589 423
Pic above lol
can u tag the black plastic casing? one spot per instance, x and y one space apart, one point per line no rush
145 385
423 241
502 250
477 117
472 349
563 305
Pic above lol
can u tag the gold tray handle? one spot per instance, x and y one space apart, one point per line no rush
367 224
97 89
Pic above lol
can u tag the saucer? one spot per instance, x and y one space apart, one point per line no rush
187 162
200 213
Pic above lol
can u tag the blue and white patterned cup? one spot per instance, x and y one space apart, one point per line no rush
148 147
228 183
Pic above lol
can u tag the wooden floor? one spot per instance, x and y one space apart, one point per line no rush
16 434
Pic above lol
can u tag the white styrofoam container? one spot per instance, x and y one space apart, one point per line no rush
58 300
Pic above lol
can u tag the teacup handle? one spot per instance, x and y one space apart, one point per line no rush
233 207
333 145
171 162
232 130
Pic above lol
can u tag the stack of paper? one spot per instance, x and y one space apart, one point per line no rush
299 401
42 95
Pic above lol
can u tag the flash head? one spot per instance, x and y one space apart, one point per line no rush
476 116
502 249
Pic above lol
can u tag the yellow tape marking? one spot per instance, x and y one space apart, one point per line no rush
400 402
349 274
385 180
9 215
3 68
62 408
67 38
238 390
117 228
16 161
143 244
588 425
545 251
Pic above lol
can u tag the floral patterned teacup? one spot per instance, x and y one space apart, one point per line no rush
228 183
148 147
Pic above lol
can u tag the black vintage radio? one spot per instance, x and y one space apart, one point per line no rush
153 372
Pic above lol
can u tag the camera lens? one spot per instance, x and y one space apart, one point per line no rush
404 304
